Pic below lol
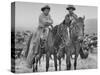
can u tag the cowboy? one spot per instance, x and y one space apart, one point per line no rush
44 21
71 16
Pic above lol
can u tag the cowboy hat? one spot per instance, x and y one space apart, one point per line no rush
45 7
71 7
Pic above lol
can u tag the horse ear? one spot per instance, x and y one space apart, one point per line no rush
83 17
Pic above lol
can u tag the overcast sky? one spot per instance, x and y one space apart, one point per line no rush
27 14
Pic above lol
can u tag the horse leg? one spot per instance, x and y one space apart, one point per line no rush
33 64
59 64
33 68
39 60
47 61
55 62
43 56
75 62
68 62
36 66
77 48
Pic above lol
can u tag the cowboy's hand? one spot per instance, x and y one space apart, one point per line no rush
47 24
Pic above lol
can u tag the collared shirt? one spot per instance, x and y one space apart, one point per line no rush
72 17
43 19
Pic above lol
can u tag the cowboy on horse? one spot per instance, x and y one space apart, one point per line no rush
45 21
42 31
71 16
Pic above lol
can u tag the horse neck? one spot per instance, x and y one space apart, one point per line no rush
73 31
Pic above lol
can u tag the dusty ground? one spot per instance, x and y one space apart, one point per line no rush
89 63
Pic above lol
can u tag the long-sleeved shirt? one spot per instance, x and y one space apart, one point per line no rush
43 20
72 17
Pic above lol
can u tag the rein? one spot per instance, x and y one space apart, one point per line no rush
61 37
58 29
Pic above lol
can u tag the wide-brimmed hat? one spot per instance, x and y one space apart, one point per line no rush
45 7
71 7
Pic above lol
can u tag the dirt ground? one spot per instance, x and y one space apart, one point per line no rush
89 63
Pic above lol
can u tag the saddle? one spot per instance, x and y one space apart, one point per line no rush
42 45
43 39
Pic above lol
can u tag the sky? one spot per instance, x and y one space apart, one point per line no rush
27 14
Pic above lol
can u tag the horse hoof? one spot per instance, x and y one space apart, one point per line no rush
74 68
68 68
59 69
46 70
33 70
56 70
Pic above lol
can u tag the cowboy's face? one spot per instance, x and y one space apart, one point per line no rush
46 11
70 11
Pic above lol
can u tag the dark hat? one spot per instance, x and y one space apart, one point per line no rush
45 7
71 7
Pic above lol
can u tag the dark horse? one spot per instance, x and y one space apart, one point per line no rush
47 47
74 45
40 52
54 40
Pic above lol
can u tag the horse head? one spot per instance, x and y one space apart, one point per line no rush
77 31
66 31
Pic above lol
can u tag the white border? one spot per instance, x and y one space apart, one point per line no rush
5 24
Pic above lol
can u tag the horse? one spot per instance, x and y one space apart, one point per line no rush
54 40
43 49
41 52
35 53
74 45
